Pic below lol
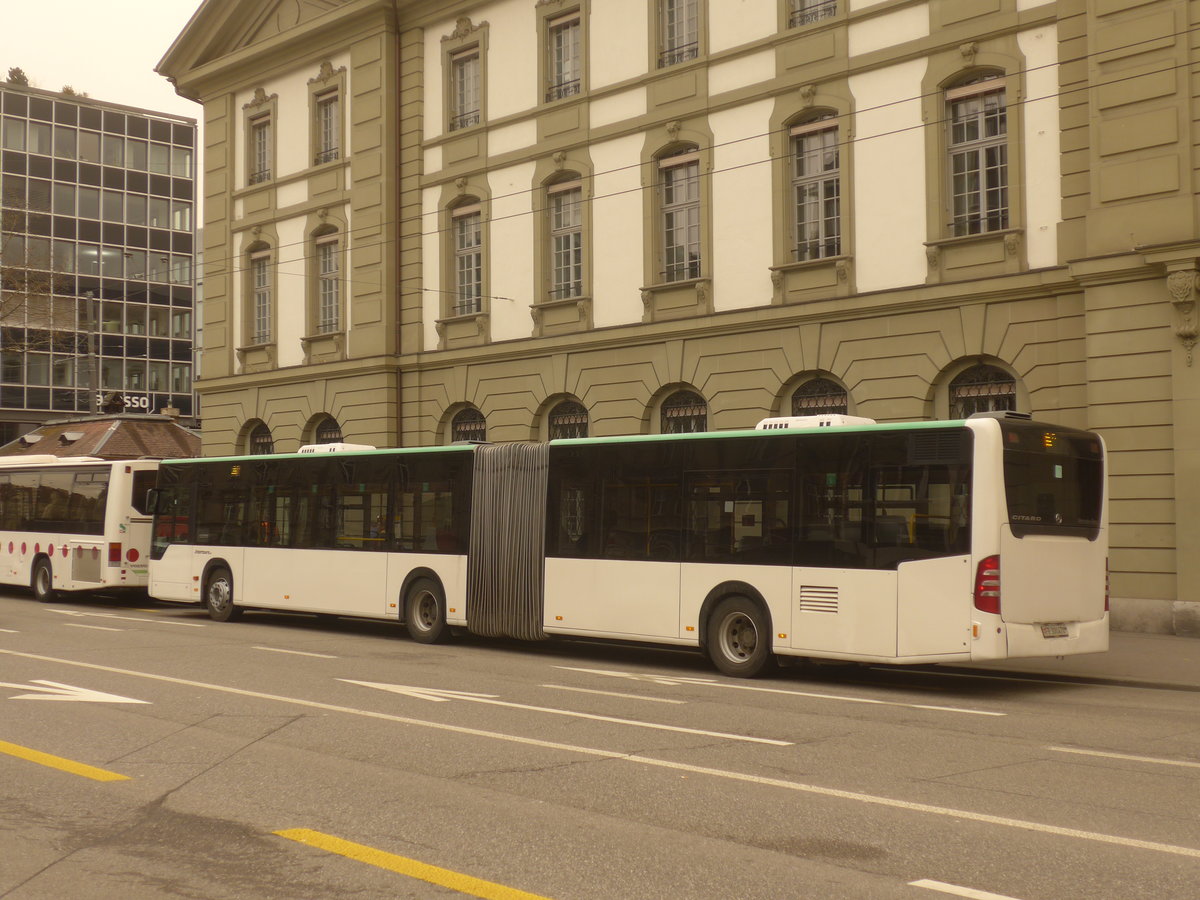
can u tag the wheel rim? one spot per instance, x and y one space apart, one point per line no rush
42 581
219 594
738 637
425 611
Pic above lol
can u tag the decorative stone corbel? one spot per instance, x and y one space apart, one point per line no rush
968 51
461 183
1011 244
932 256
673 128
843 269
560 159
808 93
1182 288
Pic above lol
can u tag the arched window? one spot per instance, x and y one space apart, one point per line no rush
982 388
819 397
684 412
328 431
260 440
568 419
977 116
468 425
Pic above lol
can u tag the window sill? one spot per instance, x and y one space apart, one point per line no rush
464 330
808 280
976 255
677 300
325 347
257 357
564 315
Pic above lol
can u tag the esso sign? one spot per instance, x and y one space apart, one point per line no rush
132 401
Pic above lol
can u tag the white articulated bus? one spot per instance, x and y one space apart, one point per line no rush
74 524
826 537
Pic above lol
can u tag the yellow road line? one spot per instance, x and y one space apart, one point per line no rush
57 762
456 881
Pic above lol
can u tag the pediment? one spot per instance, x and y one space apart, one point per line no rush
223 27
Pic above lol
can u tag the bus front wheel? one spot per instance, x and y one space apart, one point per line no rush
425 612
739 638
218 596
43 581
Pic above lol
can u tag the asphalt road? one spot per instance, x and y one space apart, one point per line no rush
290 757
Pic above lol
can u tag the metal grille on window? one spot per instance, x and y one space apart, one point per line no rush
565 60
328 432
328 288
681 219
568 420
464 90
468 425
680 24
260 277
819 397
684 412
468 263
328 130
260 135
978 156
816 182
566 239
982 389
808 12
261 440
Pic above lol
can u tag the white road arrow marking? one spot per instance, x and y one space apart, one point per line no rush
678 680
441 696
55 691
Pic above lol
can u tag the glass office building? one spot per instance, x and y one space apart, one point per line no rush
97 262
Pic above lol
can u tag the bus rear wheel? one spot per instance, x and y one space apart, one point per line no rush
425 612
43 581
218 596
739 638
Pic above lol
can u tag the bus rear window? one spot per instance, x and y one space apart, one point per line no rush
1054 481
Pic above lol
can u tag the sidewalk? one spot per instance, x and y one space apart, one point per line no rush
1161 659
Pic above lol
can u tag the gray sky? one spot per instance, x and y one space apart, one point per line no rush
106 48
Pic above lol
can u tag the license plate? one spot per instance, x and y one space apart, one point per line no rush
1054 630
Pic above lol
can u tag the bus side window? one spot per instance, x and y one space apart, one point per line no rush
143 480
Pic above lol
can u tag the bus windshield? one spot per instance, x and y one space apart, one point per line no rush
1054 480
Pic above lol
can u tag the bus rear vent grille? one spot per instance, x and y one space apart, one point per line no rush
816 599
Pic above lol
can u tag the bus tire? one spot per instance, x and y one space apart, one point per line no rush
42 581
425 612
218 596
739 638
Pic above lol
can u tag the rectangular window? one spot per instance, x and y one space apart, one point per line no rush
260 280
978 158
681 218
160 159
328 128
468 261
809 12
464 89
679 24
14 134
816 184
328 288
565 61
566 241
260 150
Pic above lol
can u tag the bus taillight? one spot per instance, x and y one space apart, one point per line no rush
114 554
987 585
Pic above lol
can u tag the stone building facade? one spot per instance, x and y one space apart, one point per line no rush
516 219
